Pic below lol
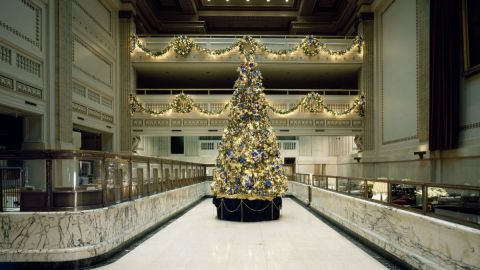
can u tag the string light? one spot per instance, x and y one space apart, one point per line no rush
310 46
312 103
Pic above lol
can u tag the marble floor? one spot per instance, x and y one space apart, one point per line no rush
197 240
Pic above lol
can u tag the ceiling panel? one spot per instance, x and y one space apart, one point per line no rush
247 17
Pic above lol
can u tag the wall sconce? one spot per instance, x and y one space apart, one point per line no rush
357 159
420 153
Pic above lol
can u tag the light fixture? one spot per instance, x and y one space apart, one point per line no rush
420 154
357 159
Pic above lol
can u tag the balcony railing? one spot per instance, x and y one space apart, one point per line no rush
456 203
75 180
229 91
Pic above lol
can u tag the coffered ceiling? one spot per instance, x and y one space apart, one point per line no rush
320 17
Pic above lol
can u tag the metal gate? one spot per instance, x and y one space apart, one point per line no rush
11 182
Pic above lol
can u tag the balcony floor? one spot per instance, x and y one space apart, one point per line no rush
197 240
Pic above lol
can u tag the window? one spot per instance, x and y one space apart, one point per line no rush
471 32
176 145
289 145
207 146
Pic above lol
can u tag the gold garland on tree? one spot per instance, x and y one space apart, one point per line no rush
312 102
247 45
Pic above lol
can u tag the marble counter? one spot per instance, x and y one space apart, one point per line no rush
66 236
421 241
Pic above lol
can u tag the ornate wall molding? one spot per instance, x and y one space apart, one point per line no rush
137 122
77 42
195 122
203 122
156 122
338 123
380 70
300 122
20 87
319 123
400 140
29 90
6 82
88 111
279 122
29 65
88 93
107 29
470 126
37 38
5 55
218 122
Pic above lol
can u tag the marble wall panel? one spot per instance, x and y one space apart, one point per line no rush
299 191
421 241
65 236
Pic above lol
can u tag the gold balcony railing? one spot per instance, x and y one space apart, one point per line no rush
75 180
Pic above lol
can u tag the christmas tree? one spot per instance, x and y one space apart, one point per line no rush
248 163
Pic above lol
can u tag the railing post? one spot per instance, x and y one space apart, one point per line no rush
130 179
365 188
140 188
149 179
161 179
336 184
349 186
425 199
104 182
170 178
1 190
49 183
155 179
389 192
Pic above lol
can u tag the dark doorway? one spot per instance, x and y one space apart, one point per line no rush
91 141
11 132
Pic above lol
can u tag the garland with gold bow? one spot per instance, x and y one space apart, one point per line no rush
247 45
312 102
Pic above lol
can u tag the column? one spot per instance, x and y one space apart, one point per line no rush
125 87
367 83
63 78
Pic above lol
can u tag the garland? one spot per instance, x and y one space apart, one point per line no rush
312 102
183 45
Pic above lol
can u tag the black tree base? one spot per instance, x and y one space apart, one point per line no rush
247 210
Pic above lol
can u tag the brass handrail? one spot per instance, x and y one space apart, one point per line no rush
110 185
409 190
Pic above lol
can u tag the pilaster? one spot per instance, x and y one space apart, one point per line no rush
125 87
63 79
367 82
423 69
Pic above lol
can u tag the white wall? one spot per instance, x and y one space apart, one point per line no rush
309 152
95 66
397 88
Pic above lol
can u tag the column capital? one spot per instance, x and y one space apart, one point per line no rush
126 14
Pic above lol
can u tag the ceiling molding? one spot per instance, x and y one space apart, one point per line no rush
318 17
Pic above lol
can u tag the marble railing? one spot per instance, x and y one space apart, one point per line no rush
420 241
69 236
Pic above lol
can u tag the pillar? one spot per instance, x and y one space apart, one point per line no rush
367 82
125 83
63 78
